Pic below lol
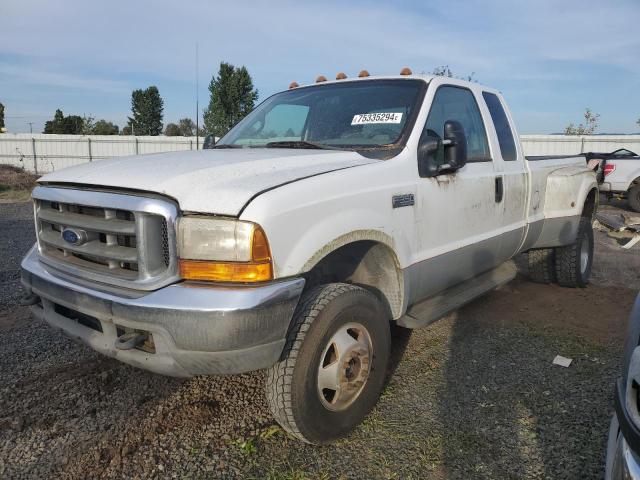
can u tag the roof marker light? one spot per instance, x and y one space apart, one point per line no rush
321 78
340 76
293 85
406 71
363 73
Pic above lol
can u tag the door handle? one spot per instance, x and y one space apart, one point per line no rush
499 189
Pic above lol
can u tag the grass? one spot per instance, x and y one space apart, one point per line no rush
15 184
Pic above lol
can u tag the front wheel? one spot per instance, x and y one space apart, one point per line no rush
573 262
334 363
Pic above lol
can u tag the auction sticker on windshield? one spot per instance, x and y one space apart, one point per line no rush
369 118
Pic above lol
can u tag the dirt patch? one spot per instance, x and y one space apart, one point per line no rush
15 183
597 313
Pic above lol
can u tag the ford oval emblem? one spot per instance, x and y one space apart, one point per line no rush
74 237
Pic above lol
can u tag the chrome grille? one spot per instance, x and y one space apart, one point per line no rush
126 240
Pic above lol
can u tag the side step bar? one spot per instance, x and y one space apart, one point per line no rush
429 310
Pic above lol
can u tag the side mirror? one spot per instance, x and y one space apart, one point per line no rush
437 156
429 154
455 143
209 141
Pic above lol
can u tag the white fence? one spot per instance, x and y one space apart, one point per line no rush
44 153
572 145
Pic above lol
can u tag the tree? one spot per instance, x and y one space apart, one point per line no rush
102 127
88 124
232 98
172 130
187 127
445 71
589 126
1 117
73 125
146 107
70 125
55 125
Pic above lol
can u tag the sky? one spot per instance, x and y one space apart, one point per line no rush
551 59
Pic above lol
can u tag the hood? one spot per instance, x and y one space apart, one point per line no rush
209 181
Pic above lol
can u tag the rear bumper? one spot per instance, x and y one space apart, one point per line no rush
196 329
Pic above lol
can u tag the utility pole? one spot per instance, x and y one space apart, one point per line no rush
30 127
197 106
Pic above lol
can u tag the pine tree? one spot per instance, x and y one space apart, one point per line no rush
232 98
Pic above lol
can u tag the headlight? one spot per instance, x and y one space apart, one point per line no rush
223 250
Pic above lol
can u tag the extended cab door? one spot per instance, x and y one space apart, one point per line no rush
459 214
512 178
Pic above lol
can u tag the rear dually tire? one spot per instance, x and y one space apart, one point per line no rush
573 262
542 265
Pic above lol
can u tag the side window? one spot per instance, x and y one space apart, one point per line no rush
503 129
456 103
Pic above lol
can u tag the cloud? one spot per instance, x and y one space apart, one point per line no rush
115 46
34 75
159 36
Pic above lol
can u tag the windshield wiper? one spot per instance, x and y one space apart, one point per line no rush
227 145
299 144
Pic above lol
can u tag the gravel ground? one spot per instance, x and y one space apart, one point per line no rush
472 396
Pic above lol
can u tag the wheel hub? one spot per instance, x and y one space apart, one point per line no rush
344 366
584 255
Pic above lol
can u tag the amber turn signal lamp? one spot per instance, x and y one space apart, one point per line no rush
406 71
248 272
363 73
259 269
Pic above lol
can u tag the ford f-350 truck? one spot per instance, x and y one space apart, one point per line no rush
330 213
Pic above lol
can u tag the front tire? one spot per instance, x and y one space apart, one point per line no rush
573 262
333 367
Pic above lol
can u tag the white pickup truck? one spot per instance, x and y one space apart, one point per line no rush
619 174
329 214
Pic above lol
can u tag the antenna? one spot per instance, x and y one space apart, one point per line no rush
197 106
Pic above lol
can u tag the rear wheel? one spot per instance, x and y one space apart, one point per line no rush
573 262
333 367
542 265
634 197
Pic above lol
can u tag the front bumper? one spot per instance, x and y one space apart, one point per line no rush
197 329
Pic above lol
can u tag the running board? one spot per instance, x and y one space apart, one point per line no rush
428 311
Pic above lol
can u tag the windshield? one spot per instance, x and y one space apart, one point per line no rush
352 115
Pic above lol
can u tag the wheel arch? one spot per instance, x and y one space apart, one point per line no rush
362 258
590 205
